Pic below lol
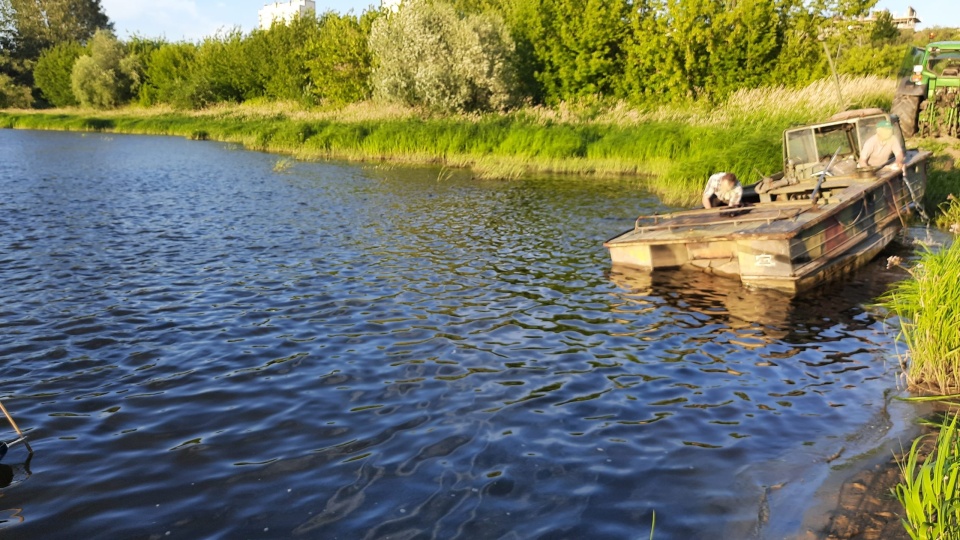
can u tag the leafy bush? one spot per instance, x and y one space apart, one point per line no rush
222 71
279 56
53 73
12 95
169 76
429 55
105 78
339 58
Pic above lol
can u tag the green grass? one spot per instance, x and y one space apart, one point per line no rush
929 491
928 308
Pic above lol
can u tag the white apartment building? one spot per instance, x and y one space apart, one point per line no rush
285 12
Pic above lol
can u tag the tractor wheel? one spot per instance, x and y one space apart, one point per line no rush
907 108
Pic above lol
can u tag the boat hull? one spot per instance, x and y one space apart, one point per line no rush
789 245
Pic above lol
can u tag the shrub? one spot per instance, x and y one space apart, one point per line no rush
53 71
339 58
105 78
168 76
12 95
426 54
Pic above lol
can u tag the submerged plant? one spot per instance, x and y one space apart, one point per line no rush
283 165
929 491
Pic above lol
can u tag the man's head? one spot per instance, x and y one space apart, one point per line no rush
884 130
728 182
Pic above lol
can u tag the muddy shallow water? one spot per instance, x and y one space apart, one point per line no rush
202 347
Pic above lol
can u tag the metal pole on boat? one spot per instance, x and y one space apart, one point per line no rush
833 69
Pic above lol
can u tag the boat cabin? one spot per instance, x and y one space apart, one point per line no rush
830 149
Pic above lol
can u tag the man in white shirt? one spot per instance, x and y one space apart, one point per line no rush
878 149
723 189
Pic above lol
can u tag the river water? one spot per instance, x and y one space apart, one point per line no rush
202 347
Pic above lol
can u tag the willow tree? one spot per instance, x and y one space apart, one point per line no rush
107 77
428 54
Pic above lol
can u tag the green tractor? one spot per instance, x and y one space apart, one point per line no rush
928 96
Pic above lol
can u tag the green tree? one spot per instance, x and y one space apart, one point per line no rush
801 59
279 58
107 77
428 54
30 26
746 46
339 58
13 95
581 48
53 73
883 28
221 71
169 78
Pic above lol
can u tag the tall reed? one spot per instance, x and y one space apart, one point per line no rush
929 490
928 309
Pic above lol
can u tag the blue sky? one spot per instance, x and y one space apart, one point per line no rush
194 19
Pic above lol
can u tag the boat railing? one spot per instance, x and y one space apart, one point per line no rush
725 217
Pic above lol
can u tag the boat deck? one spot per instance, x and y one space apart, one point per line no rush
781 219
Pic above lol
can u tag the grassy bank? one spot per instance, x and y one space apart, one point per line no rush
672 148
928 308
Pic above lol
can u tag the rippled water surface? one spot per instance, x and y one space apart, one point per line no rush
201 347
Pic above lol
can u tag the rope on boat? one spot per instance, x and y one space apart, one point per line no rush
913 197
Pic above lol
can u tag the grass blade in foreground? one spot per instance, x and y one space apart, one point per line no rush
929 490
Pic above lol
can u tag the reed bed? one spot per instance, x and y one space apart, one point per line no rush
671 148
929 489
928 308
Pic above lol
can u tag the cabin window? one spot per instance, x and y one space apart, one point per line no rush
944 64
801 147
829 141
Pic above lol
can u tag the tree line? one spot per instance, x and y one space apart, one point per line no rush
451 55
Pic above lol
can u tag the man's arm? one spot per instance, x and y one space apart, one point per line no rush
736 196
868 148
898 152
712 183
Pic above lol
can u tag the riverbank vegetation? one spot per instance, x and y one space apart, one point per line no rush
928 493
928 309
673 146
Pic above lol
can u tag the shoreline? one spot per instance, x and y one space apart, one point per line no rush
676 155
855 500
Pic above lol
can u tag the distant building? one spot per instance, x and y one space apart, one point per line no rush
908 21
285 12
